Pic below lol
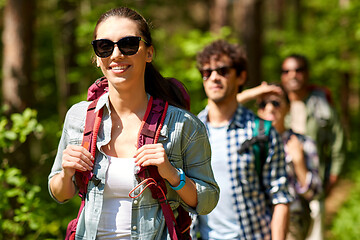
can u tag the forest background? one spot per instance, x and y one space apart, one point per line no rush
47 66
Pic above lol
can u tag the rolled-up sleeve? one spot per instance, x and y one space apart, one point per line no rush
71 134
195 158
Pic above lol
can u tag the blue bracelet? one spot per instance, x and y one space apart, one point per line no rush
182 180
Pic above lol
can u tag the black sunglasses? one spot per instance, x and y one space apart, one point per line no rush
128 46
263 104
223 71
297 70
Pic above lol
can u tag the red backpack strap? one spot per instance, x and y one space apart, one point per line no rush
92 125
149 133
99 87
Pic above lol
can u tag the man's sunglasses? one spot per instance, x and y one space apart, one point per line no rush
223 71
297 70
263 104
128 46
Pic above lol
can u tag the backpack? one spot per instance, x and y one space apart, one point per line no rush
259 141
178 228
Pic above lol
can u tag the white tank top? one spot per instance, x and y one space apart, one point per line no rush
115 218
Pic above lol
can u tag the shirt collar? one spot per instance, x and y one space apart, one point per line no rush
238 120
103 100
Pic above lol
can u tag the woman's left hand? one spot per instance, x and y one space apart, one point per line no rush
155 155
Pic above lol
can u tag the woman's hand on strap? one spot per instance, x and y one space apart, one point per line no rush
154 154
76 158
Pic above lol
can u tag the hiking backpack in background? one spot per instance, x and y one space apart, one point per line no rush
178 228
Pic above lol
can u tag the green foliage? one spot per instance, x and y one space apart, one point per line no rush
24 211
23 214
16 130
329 37
347 222
180 50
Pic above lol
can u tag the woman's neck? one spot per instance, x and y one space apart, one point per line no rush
127 102
280 126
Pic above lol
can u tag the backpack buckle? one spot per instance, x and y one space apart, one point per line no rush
95 180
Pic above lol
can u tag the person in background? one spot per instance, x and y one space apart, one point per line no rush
301 155
312 114
124 53
247 208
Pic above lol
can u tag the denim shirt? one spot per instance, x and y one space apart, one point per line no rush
187 147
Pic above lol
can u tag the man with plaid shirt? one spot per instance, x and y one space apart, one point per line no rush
247 208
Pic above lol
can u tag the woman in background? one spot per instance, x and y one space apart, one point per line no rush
301 155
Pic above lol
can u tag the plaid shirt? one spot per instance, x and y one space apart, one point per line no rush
251 202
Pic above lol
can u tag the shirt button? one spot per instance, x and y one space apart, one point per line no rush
135 201
134 227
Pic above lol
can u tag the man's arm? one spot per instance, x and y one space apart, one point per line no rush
338 150
279 222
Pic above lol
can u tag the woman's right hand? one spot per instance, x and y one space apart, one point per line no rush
76 158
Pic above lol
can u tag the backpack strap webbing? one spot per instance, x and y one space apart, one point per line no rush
92 125
259 142
261 133
149 133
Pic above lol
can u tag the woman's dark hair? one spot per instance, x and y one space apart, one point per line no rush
221 48
155 84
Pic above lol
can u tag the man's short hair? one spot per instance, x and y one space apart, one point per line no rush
220 48
300 58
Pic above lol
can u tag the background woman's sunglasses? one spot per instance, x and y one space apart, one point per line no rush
128 46
223 71
263 104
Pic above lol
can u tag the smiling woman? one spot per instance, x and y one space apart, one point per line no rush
124 52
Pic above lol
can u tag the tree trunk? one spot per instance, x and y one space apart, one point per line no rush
17 87
218 13
280 9
346 76
298 16
65 53
249 17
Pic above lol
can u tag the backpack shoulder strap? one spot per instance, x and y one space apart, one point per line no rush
258 141
91 129
149 133
99 87
261 133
